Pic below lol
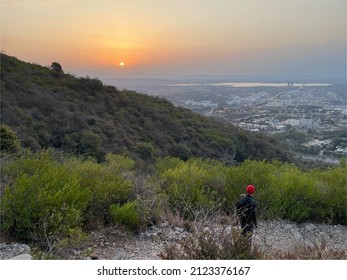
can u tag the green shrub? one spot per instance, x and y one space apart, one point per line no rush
106 184
297 200
9 141
44 202
330 190
261 174
144 150
126 214
163 164
193 188
84 142
117 163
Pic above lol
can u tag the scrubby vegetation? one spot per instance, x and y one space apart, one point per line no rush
48 197
283 190
9 140
48 108
211 245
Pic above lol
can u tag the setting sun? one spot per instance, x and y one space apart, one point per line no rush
121 63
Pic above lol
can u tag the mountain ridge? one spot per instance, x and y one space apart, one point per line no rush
48 108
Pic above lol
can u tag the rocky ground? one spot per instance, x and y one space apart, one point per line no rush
271 237
15 251
283 237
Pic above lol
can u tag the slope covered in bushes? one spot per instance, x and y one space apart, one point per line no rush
48 108
49 198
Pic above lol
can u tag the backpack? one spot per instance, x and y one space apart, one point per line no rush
240 206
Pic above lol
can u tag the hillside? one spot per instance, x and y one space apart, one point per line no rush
48 108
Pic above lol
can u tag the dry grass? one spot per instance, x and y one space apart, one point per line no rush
305 252
218 240
204 243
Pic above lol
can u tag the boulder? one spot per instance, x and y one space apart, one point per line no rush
22 257
15 251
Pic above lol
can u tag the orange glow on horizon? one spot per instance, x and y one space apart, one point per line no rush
158 36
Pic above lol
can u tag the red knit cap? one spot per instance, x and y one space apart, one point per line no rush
250 189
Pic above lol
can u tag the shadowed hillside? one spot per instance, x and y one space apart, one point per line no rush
48 108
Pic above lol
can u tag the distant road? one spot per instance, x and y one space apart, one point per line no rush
265 100
278 94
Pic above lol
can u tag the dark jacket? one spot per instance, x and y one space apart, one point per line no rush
245 209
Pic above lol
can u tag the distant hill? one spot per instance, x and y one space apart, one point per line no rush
48 108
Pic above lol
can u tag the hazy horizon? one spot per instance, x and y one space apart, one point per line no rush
264 40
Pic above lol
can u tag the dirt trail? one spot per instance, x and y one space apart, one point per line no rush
270 237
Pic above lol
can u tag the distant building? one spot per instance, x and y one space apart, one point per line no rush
205 103
302 123
292 122
340 150
280 127
307 123
233 102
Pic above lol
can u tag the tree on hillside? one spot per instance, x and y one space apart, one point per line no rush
56 67
145 150
9 141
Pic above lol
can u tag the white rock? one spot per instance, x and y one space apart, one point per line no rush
22 257
163 225
310 227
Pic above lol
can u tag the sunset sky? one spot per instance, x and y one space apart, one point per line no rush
230 37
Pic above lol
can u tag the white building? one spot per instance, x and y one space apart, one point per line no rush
307 123
204 103
292 122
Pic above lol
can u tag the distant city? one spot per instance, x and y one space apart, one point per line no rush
315 110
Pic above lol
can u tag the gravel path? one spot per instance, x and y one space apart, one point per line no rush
271 237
